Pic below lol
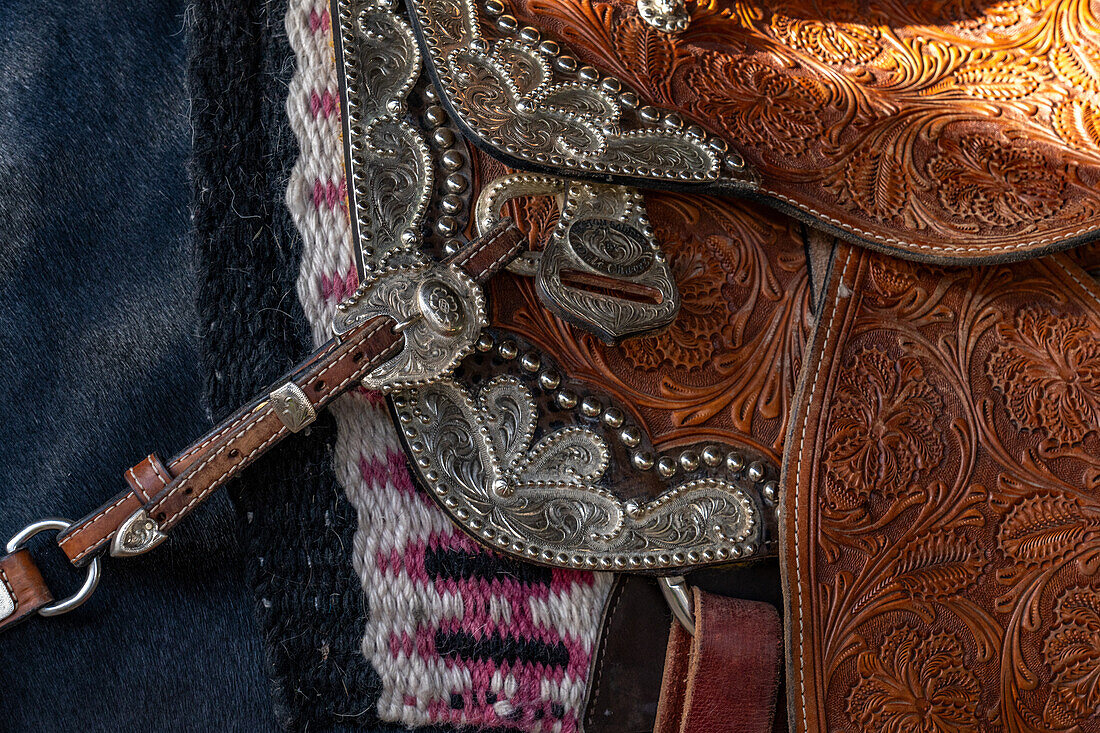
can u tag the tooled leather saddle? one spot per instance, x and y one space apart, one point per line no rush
787 304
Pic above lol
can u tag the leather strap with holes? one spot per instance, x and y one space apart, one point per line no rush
169 491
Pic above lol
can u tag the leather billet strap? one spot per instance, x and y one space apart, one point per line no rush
166 492
725 677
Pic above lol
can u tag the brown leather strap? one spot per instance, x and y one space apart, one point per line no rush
23 591
725 678
168 493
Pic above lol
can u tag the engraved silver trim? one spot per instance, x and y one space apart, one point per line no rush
389 166
505 93
543 500
137 535
292 406
603 232
440 312
7 600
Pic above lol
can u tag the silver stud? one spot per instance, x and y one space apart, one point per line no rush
712 456
718 145
588 74
549 48
429 93
529 34
643 460
666 467
613 417
566 400
696 131
451 246
443 137
452 160
484 342
478 45
450 204
770 491
507 23
735 462
494 7
672 121
735 161
630 436
531 362
628 100
566 63
447 226
632 508
549 380
591 407
435 116
508 349
649 114
611 85
755 472
689 460
455 183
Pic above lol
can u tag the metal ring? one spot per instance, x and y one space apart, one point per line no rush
91 580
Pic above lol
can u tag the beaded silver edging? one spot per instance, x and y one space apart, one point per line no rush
389 167
545 497
508 94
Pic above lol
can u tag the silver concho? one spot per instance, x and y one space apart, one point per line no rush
604 235
439 310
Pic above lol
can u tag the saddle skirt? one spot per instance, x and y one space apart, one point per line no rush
808 286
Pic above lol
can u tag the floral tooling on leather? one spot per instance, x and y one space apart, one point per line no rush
943 501
726 367
908 124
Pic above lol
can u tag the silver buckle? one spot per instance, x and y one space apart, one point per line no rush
91 579
678 596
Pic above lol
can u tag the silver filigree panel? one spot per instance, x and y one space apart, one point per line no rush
546 488
506 92
390 169
439 311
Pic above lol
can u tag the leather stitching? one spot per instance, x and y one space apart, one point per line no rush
367 366
798 481
88 525
940 248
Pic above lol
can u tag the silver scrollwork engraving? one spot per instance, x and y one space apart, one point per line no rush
602 246
506 93
137 535
292 406
7 600
390 169
439 311
543 499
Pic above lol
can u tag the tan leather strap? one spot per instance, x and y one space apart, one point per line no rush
22 590
725 678
168 493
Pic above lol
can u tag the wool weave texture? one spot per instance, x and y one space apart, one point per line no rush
457 635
